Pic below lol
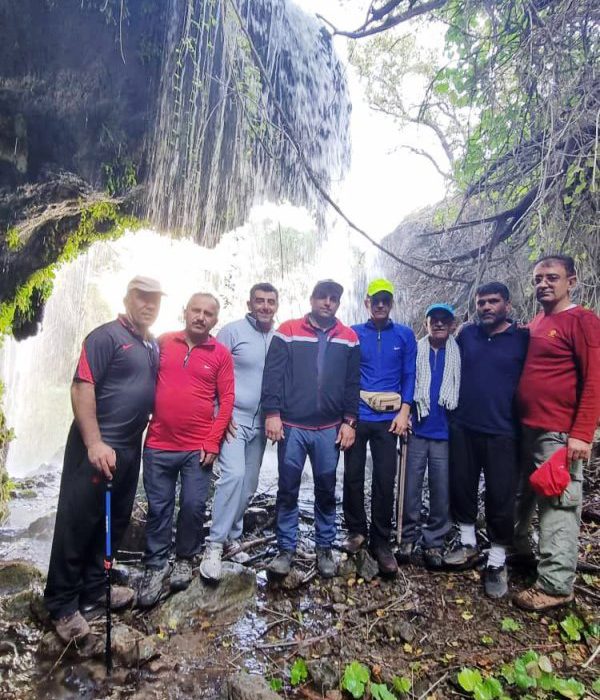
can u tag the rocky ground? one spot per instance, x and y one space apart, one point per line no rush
417 631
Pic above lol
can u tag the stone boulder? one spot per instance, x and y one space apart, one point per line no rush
324 674
235 590
17 575
246 686
366 567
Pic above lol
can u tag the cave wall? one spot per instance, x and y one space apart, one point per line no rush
68 100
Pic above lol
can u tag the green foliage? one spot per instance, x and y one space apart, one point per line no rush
402 684
596 686
299 672
119 176
98 221
276 684
510 625
355 679
379 691
13 239
572 627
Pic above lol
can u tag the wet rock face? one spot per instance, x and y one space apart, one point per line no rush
236 589
16 575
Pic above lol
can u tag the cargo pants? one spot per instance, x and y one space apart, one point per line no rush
559 516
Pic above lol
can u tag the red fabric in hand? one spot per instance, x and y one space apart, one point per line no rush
552 477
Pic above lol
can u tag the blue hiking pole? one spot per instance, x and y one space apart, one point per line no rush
107 572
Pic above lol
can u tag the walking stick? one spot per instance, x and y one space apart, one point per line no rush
107 572
402 453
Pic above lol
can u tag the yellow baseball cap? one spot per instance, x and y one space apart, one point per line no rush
380 285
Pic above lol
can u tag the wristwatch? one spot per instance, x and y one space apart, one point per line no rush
351 422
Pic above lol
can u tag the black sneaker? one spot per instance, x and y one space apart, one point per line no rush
325 562
495 581
281 565
181 576
404 552
151 587
461 556
432 558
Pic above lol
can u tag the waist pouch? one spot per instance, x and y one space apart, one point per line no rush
382 401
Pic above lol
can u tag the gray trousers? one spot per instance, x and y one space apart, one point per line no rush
239 464
433 456
559 516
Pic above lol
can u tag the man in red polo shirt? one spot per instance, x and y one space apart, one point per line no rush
183 440
559 405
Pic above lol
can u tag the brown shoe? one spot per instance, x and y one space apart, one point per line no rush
353 543
120 597
536 599
386 560
71 627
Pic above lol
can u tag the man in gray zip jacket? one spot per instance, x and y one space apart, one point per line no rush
241 454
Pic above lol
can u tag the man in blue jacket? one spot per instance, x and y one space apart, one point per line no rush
388 354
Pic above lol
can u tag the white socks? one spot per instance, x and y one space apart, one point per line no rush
497 556
467 535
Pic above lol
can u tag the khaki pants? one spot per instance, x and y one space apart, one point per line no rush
559 516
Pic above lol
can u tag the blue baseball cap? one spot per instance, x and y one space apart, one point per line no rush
439 307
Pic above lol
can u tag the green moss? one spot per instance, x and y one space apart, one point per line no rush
6 435
13 239
98 221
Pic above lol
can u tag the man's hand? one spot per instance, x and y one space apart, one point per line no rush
345 438
231 431
399 425
207 459
104 458
274 429
577 449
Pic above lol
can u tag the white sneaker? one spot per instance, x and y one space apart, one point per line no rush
210 566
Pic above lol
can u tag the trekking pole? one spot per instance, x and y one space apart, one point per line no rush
402 453
107 572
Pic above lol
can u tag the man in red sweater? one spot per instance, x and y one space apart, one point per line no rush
183 440
559 404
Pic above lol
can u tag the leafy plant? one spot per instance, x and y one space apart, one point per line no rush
355 678
379 691
510 625
572 627
299 672
401 684
276 684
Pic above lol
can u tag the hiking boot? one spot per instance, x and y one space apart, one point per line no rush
181 576
405 552
461 556
120 597
325 562
282 563
495 581
353 543
151 587
210 566
70 627
388 566
432 558
536 599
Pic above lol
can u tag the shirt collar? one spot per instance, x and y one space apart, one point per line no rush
254 323
126 323
315 329
388 324
180 337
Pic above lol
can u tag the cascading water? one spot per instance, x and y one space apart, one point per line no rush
220 144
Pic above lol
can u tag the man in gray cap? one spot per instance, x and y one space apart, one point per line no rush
112 395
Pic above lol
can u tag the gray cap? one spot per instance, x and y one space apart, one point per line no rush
145 284
327 287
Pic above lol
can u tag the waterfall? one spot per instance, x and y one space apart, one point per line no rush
220 143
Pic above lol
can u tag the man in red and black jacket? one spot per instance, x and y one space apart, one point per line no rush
183 442
311 385
112 395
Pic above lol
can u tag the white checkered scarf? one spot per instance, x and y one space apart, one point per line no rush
450 380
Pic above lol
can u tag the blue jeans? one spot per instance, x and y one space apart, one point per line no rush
161 469
433 455
239 461
320 447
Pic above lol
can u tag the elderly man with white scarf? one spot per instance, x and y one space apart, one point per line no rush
436 393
